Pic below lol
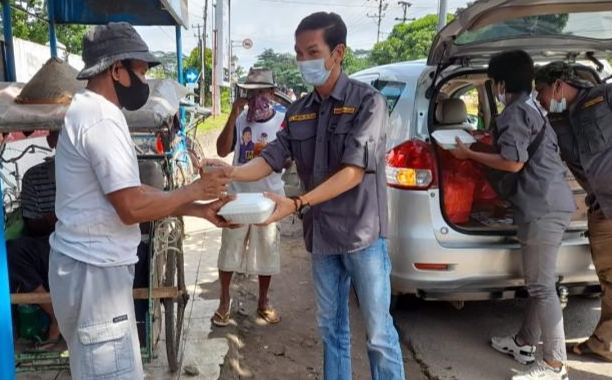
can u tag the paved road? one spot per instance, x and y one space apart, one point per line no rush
452 344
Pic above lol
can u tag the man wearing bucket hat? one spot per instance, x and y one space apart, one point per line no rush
99 203
250 249
581 114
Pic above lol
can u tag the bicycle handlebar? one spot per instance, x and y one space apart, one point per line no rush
29 149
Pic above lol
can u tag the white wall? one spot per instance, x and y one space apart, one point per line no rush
30 57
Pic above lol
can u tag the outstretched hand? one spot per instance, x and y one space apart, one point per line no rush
209 211
284 207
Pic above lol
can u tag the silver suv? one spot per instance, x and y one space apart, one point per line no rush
470 252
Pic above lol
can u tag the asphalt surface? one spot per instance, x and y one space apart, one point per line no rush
453 344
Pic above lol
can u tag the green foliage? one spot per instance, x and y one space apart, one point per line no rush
407 41
286 73
30 28
167 69
194 60
356 60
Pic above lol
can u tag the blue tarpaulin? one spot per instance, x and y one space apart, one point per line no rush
136 12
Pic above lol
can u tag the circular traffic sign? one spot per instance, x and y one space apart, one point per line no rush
247 43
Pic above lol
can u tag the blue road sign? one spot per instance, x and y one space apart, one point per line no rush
191 75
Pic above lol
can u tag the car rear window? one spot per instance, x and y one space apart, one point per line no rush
391 90
592 25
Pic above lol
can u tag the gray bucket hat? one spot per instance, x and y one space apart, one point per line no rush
258 78
104 45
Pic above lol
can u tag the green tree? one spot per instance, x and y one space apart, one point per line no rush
194 61
286 73
35 29
356 60
167 69
407 41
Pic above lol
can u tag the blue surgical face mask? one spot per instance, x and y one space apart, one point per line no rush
558 106
314 71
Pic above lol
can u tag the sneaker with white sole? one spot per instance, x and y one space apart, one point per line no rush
508 345
542 371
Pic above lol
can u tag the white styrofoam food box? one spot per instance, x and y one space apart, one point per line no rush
446 138
248 208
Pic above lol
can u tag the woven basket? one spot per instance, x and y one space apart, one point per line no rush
54 83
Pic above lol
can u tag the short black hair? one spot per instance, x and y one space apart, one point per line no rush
247 130
332 24
515 68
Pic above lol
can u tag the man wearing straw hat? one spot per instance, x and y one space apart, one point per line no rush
99 203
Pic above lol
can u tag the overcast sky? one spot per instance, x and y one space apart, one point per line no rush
271 23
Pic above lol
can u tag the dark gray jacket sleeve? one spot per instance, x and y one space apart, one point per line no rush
370 124
514 135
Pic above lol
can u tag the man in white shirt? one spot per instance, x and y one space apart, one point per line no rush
99 203
251 249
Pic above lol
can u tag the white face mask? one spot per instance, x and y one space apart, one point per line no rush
314 71
558 106
501 96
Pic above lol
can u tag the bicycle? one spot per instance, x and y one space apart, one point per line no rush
11 190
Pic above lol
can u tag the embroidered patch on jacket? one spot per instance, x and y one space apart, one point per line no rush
594 101
344 110
120 318
303 117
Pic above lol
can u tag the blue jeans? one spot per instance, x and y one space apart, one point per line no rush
369 270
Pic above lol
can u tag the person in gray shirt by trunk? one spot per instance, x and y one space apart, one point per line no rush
584 114
527 152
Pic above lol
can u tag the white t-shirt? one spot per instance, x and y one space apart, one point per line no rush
251 139
95 156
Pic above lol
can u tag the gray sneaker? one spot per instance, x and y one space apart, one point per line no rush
542 371
508 345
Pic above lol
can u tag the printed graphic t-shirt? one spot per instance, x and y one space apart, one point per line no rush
251 140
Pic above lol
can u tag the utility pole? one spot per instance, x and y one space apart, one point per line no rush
382 6
405 5
201 38
442 14
203 88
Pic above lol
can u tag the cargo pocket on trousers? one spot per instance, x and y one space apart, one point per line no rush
108 349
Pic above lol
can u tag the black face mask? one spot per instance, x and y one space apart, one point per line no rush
133 97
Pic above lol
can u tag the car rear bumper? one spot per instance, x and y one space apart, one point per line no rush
477 267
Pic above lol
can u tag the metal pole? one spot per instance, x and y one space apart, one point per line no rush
11 75
203 88
442 14
52 36
7 358
179 54
230 48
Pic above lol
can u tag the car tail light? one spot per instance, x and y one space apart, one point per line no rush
432 267
411 166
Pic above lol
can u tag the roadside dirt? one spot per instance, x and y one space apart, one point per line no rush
291 349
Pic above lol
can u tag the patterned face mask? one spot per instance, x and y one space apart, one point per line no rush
259 108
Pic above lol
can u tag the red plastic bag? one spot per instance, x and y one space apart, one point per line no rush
458 197
484 192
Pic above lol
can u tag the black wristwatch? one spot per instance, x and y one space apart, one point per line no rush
301 206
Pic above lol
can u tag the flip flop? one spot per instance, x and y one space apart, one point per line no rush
269 315
220 320
583 349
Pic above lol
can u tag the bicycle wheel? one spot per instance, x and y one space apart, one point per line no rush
174 309
196 153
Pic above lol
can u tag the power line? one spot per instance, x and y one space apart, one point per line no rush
382 6
405 5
